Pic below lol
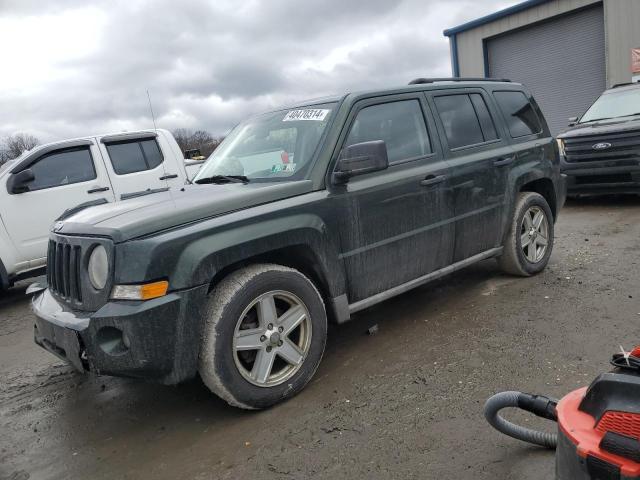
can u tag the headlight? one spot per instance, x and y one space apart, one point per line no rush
560 146
98 268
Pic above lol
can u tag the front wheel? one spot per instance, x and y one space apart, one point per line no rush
529 241
264 336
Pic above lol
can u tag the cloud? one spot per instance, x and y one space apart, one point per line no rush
74 68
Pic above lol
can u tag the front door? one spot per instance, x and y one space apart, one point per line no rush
479 157
63 179
395 224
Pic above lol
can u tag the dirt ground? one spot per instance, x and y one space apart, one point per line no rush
403 403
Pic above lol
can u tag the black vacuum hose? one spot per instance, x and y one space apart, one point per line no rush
541 406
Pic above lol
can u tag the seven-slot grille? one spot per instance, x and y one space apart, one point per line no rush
63 270
625 148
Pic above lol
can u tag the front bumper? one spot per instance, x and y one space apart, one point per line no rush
157 339
601 177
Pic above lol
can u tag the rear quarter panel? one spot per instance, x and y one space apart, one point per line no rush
536 156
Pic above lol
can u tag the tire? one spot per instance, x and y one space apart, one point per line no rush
237 339
519 260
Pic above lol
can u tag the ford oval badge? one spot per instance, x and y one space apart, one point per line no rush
601 146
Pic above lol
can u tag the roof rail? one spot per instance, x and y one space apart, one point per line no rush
418 81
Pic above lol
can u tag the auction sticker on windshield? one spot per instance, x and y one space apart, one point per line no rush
317 114
287 167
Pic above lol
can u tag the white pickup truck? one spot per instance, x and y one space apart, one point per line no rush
54 180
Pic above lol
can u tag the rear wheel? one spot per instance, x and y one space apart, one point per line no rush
264 336
529 241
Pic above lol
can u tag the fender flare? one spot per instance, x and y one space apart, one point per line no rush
519 180
307 237
4 277
200 256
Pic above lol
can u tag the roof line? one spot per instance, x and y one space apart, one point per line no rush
494 16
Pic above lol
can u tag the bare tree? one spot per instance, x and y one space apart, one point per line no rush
14 145
191 139
4 154
182 136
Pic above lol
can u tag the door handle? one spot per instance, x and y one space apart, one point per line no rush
503 162
98 189
168 176
430 180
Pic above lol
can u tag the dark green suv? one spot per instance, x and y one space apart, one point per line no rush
303 215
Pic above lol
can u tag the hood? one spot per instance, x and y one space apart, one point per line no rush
614 125
155 212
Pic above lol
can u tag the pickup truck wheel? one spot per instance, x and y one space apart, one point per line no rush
264 336
529 242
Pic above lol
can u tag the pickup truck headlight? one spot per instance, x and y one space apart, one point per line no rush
98 267
144 291
560 146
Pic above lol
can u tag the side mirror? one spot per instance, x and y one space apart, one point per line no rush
18 182
573 121
360 158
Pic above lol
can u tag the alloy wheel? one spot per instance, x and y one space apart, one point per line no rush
272 338
534 234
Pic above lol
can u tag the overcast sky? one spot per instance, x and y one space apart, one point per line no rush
73 68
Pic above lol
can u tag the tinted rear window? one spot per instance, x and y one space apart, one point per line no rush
519 114
486 122
459 119
134 156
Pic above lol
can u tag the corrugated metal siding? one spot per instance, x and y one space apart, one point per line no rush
561 60
470 53
622 18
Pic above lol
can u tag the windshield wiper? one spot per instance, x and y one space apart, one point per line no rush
629 115
612 118
219 179
597 119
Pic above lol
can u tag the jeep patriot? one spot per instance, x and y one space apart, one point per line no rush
301 216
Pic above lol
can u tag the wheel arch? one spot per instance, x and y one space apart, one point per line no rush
204 256
308 262
543 186
7 259
4 277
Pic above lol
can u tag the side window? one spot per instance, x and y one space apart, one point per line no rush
520 116
63 167
134 156
401 126
486 122
466 119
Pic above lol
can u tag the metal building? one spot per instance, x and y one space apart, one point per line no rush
566 51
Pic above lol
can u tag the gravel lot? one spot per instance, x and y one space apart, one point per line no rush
403 403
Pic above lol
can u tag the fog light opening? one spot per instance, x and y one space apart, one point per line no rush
112 341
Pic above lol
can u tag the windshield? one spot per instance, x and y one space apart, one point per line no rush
614 104
270 147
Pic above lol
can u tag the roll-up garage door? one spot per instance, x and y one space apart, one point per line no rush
561 60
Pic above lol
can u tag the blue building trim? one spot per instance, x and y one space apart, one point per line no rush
485 55
455 65
451 32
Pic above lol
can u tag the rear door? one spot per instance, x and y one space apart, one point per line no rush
394 224
524 125
479 157
64 179
135 164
